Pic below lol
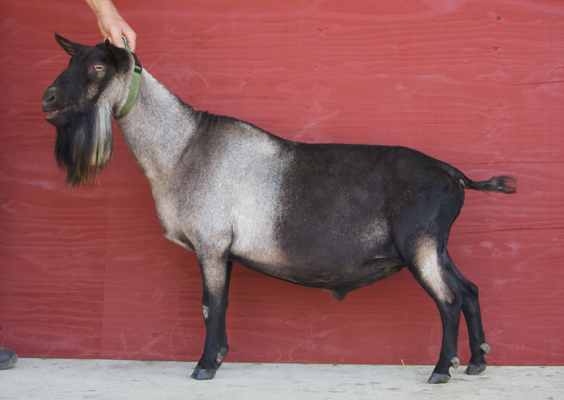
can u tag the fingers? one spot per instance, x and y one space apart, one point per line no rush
131 39
119 28
113 27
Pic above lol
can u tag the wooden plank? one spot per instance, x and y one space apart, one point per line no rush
87 273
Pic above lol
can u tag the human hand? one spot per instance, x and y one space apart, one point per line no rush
111 23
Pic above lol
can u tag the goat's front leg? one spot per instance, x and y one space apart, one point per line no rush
216 274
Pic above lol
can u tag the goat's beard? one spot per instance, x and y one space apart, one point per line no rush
84 146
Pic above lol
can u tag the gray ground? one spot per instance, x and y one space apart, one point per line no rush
34 378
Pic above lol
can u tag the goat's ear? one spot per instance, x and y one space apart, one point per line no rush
67 45
120 57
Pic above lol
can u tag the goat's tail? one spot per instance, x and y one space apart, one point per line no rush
503 183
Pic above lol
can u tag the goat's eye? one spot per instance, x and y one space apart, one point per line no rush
99 67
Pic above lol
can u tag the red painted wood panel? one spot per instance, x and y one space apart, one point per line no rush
479 84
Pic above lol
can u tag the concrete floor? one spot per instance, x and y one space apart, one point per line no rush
50 379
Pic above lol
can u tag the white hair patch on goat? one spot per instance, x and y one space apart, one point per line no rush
427 263
376 232
103 130
255 216
102 137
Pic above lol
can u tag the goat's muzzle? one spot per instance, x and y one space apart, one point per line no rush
52 106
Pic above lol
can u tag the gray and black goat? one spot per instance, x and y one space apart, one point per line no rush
329 216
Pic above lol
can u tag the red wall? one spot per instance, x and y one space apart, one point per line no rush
478 84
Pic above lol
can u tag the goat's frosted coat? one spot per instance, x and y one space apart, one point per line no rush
329 216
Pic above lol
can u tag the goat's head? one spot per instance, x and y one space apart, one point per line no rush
81 103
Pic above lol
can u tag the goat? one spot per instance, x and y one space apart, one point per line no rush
329 216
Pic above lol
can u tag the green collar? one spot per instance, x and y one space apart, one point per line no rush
133 87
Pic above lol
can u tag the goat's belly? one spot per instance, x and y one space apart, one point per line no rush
333 277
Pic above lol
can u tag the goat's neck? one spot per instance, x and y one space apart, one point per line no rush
156 129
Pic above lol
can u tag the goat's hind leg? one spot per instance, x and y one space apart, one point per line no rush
471 310
428 267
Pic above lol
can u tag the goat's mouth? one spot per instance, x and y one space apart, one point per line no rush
55 114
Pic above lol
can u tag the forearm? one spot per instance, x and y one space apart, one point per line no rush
101 7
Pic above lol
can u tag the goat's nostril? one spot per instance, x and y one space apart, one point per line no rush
49 96
49 100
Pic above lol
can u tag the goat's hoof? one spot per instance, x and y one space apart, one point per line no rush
475 369
201 374
439 378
